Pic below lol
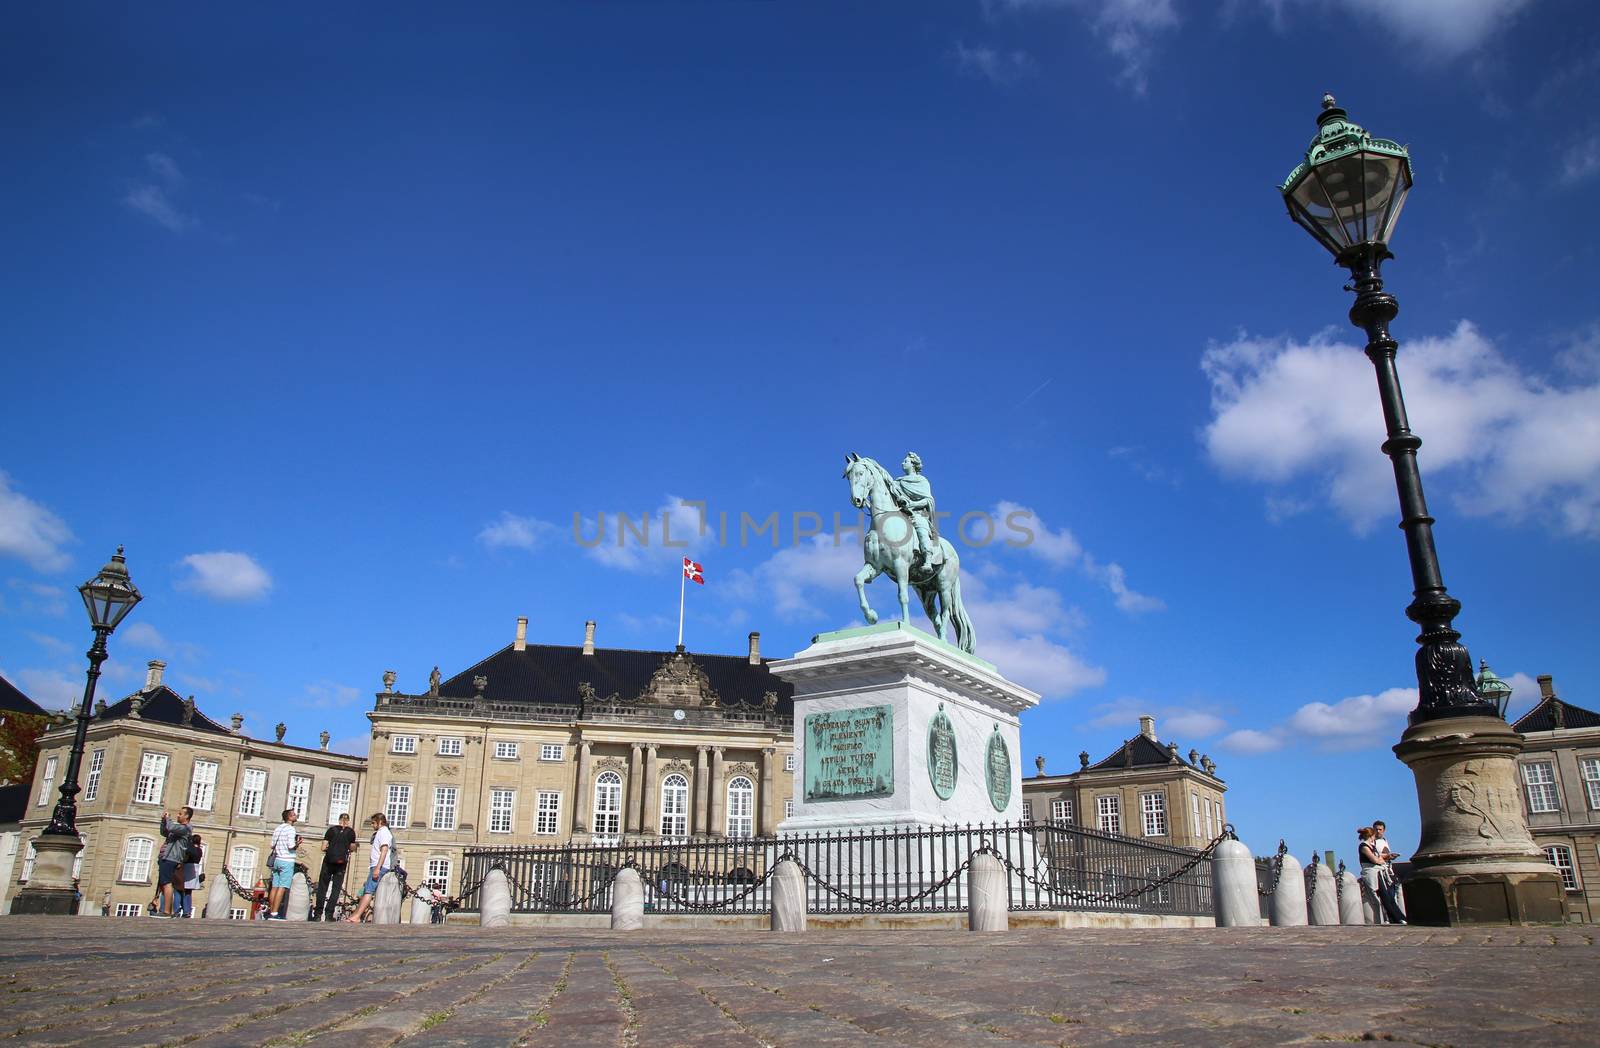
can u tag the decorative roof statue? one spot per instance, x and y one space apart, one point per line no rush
1083 758
586 693
479 682
238 722
433 683
389 677
903 543
99 707
323 737
279 731
1038 762
134 704
769 702
188 711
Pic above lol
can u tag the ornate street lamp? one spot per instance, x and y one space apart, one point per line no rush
1492 688
1477 861
108 597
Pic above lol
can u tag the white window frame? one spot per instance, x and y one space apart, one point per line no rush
1153 813
552 751
298 795
437 871
97 763
506 750
151 785
741 807
444 807
1560 857
237 913
252 791
341 794
404 744
502 810
1061 811
203 789
607 805
1589 768
788 761
129 909
244 872
27 863
1220 823
47 781
547 813
788 807
137 854
1539 785
451 745
397 804
674 806
1108 813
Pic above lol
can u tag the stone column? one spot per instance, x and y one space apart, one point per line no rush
764 813
648 815
580 801
634 795
716 825
702 792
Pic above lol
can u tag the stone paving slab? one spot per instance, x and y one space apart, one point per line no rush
132 982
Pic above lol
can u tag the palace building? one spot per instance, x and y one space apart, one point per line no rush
1560 769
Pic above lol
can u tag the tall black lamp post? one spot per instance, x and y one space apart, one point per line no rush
1477 861
109 596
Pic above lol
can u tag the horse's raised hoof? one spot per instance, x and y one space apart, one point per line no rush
872 617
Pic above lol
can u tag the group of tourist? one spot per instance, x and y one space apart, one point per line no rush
179 868
1377 872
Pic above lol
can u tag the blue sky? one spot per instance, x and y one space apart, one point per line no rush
336 321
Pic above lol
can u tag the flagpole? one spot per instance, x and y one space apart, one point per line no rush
683 580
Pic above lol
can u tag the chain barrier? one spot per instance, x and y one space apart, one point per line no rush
1277 871
720 903
1311 879
1080 896
1338 886
882 904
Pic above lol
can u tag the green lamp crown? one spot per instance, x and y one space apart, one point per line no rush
1348 190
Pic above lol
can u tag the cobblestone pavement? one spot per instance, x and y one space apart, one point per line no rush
143 982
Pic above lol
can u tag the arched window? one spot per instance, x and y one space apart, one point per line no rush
242 864
675 806
1560 857
741 807
608 804
136 860
439 874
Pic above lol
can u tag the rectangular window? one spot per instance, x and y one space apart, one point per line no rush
403 744
339 794
1061 811
1109 809
397 809
1153 806
1205 806
1540 779
203 785
1219 816
450 746
1560 857
552 751
129 909
236 913
97 763
788 761
299 795
152 779
549 813
444 807
47 784
27 863
1194 814
242 864
788 807
136 860
507 751
1591 781
439 873
252 791
502 810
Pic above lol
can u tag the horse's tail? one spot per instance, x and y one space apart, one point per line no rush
966 639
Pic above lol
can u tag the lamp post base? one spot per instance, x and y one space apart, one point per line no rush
50 887
1477 863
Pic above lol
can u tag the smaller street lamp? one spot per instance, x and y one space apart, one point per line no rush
1492 688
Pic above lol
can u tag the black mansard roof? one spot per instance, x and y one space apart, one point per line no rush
555 674
1140 752
1546 716
12 699
162 705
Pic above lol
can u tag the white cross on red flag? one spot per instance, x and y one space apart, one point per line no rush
693 572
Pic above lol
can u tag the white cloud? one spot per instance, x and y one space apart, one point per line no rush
51 689
1177 723
994 65
1020 527
1360 720
1447 27
31 532
54 645
152 201
792 577
1250 741
514 532
37 598
1500 441
165 168
1020 629
1128 28
327 693
225 576
645 541
355 745
143 636
1581 160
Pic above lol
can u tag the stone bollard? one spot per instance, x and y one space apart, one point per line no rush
627 901
299 907
494 900
421 910
1322 898
1350 902
1288 909
219 898
1233 886
788 897
988 910
386 903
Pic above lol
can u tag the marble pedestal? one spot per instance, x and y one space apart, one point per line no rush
1476 863
50 888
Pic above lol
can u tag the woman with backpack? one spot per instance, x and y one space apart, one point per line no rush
192 875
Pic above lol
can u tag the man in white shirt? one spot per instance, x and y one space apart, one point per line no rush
284 844
1391 883
380 860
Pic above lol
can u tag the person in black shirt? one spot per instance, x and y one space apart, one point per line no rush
336 845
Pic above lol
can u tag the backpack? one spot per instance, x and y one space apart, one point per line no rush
192 852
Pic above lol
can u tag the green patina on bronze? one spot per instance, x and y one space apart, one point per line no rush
849 754
997 770
943 765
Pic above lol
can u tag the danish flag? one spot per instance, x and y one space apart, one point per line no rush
693 572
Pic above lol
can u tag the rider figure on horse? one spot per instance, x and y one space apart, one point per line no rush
914 495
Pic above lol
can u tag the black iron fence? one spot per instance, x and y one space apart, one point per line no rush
1050 866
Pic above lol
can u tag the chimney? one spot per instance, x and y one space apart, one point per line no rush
152 679
588 637
521 643
755 648
1547 685
1147 727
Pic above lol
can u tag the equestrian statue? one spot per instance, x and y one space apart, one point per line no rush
903 542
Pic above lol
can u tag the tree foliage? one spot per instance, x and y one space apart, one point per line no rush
19 745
